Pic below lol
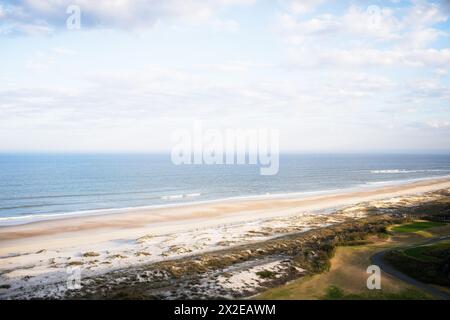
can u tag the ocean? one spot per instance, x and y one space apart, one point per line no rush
40 186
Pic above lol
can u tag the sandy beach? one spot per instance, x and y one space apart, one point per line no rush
39 252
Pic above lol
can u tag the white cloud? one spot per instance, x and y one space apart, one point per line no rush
339 78
373 22
438 124
321 24
313 57
32 15
428 88
400 37
368 26
42 60
421 38
127 110
411 27
425 13
304 6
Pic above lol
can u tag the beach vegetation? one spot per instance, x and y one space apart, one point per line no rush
91 254
266 274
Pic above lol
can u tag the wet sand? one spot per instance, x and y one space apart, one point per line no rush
78 230
38 254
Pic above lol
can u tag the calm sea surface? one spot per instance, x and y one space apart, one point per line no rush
37 186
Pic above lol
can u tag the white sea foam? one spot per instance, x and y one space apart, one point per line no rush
180 196
24 219
192 195
394 171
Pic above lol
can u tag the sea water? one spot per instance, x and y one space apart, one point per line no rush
39 186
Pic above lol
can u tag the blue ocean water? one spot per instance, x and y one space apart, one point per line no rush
40 185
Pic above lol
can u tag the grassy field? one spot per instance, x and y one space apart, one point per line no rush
425 263
426 252
417 226
347 276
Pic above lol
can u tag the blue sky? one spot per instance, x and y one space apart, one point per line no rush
329 75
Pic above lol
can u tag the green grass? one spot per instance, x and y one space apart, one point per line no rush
417 226
336 293
426 252
418 253
425 263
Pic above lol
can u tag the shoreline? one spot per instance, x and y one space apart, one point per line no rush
38 254
368 186
173 219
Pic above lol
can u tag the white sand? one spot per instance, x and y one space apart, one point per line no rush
40 252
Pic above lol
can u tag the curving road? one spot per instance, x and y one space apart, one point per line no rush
378 259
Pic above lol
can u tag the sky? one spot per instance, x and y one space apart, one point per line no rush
331 76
